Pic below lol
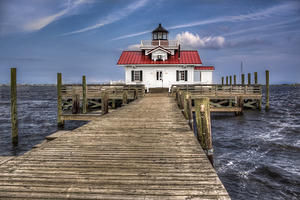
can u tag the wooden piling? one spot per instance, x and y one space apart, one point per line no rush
204 126
240 104
113 103
243 79
75 103
255 78
230 80
267 91
226 80
13 106
249 78
234 79
124 101
104 102
60 122
84 97
188 109
222 80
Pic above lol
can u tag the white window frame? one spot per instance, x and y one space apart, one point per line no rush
137 75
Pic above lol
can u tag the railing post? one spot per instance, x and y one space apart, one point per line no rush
84 98
13 106
267 91
249 78
234 79
226 80
255 78
113 103
60 122
204 126
230 80
243 79
222 80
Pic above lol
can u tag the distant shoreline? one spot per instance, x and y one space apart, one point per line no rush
291 84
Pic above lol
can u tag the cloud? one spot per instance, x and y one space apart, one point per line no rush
190 40
266 13
113 17
29 16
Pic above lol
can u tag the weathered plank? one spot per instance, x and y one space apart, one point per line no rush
144 150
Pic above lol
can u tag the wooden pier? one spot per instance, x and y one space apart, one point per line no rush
144 150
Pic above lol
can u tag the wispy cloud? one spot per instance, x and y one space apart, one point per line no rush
29 16
266 13
113 17
190 40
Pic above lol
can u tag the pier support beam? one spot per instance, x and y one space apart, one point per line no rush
230 80
84 98
222 80
125 101
75 103
226 80
13 106
204 126
104 102
60 122
267 91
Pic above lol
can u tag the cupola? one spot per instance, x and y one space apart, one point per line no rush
160 33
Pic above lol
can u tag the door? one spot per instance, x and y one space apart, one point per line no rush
159 78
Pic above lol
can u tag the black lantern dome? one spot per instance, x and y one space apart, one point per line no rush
160 33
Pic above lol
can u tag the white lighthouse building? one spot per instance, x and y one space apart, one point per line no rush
160 63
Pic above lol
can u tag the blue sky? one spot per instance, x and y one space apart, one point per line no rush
86 37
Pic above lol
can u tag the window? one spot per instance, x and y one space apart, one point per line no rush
159 36
159 57
155 36
159 75
181 75
136 75
164 36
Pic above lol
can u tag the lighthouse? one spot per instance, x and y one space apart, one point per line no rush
161 63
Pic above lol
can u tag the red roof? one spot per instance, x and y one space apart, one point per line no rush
204 68
138 57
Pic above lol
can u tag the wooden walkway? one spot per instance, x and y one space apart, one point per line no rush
144 150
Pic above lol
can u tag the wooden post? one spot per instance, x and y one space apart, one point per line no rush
204 126
60 122
230 80
243 79
249 78
267 91
255 78
75 103
13 106
84 98
240 104
234 80
222 80
104 102
188 113
124 97
113 103
226 80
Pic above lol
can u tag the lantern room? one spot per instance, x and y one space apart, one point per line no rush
160 33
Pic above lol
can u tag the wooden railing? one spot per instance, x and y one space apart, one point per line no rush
215 89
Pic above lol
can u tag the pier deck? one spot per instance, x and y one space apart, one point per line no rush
144 150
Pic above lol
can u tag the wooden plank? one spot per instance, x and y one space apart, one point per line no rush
56 135
80 117
144 150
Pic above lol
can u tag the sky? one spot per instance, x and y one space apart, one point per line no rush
87 37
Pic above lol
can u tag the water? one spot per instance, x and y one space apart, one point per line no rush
257 155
